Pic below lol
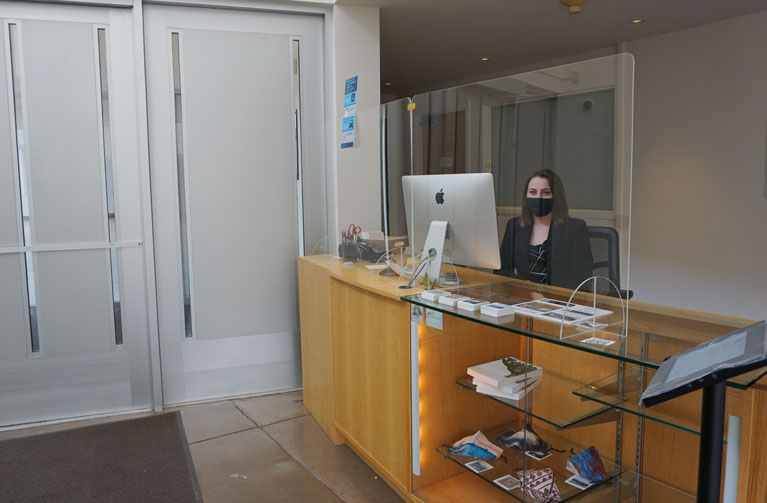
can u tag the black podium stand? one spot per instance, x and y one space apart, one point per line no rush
709 366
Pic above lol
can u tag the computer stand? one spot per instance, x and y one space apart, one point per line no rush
711 435
435 240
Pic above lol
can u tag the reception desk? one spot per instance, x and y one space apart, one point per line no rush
394 388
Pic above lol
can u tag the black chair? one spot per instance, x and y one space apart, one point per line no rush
606 252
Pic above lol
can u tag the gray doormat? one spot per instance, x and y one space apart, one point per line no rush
137 460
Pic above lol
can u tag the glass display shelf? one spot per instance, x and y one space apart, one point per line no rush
630 487
512 461
605 392
670 330
552 402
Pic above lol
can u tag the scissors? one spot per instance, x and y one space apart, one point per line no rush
352 233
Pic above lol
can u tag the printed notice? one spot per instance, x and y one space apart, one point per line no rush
349 124
434 319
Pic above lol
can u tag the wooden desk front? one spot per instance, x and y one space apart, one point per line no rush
356 370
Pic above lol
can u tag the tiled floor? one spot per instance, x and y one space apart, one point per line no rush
266 449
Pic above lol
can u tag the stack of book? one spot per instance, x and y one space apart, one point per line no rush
506 378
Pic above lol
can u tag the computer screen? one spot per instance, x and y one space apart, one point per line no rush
467 203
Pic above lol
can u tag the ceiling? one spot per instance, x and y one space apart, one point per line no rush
433 44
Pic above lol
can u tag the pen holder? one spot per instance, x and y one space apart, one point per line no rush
351 251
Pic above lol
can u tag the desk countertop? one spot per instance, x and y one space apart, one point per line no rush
388 286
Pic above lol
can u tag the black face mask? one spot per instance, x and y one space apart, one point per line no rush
540 207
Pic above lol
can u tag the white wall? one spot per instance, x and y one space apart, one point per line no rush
699 212
356 44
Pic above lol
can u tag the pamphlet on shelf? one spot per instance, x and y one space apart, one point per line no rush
433 295
579 483
507 482
560 311
451 300
472 305
496 309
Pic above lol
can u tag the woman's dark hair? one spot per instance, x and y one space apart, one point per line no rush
559 212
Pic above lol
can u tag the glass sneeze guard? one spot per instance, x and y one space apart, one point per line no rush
680 329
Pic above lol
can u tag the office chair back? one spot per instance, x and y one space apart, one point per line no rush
606 253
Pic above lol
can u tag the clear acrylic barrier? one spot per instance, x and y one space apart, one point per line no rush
570 125
590 313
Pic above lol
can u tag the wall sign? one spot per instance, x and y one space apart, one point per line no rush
349 124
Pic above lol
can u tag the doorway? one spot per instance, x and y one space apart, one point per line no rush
235 104
73 297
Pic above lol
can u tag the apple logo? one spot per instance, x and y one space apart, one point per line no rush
440 196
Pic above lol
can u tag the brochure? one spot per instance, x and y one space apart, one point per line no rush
560 311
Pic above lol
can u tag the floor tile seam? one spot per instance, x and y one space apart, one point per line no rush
245 414
224 435
322 480
285 420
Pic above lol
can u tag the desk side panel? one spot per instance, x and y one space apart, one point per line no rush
752 484
317 345
371 354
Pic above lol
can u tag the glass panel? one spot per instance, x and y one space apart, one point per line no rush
243 233
63 138
76 297
9 213
622 488
396 162
606 391
548 141
641 346
14 338
175 42
21 156
109 177
297 137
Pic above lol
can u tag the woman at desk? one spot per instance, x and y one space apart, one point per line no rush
544 244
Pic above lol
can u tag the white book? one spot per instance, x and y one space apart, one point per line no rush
497 374
451 300
512 388
433 295
496 309
472 305
492 391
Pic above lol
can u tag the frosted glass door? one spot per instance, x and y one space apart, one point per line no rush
73 304
226 208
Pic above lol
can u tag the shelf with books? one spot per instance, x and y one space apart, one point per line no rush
571 410
605 392
512 461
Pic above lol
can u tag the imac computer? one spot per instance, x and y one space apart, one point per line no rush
454 215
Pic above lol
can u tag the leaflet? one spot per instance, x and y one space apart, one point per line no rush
560 311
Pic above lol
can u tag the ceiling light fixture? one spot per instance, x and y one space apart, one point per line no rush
484 59
638 20
573 6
